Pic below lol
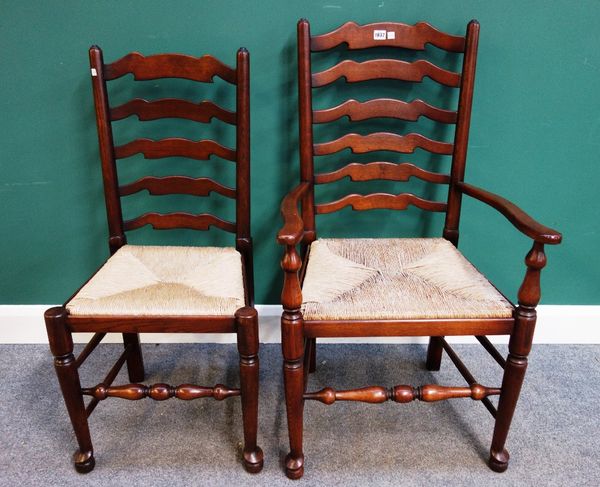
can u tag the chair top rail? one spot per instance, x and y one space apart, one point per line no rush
387 34
202 69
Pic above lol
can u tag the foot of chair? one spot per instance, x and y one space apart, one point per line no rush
247 323
253 460
294 467
498 462
84 461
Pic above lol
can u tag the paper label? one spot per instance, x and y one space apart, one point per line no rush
94 73
391 35
379 35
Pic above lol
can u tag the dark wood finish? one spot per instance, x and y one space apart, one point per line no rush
135 360
153 324
434 353
243 239
61 346
298 210
293 228
202 69
116 233
521 220
354 72
379 201
406 36
382 328
402 394
384 108
381 170
360 144
244 322
174 147
145 110
160 392
247 330
165 221
461 135
519 347
177 185
311 355
293 354
305 137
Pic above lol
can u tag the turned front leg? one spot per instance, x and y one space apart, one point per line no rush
61 346
292 341
519 347
293 375
247 329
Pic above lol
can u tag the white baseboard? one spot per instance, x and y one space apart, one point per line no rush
556 324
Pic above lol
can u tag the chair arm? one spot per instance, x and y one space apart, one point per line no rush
293 226
521 220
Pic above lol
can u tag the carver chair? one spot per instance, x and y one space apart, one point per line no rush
357 287
164 289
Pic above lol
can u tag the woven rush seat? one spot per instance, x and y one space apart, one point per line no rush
408 278
164 280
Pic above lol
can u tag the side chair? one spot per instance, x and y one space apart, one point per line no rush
367 287
164 289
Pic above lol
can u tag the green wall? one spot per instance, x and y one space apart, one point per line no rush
534 139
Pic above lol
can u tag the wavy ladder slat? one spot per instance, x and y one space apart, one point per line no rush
380 201
173 147
158 66
167 221
354 72
381 170
381 141
384 108
176 185
405 36
172 108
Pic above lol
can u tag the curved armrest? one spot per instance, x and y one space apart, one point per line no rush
514 214
293 225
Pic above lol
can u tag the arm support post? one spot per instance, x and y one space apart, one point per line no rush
519 347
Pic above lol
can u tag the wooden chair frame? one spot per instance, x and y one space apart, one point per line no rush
60 325
299 335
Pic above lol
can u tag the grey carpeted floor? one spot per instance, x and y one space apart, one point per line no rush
555 438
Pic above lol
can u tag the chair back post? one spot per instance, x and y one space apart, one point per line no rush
305 128
461 136
243 235
116 237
